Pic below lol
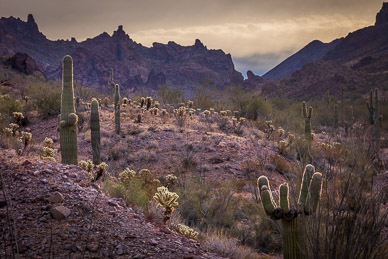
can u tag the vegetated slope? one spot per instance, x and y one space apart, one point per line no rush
136 67
97 226
312 52
359 62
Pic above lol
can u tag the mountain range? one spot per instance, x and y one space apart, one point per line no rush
135 66
359 62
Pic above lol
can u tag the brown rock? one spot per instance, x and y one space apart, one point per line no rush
60 212
56 197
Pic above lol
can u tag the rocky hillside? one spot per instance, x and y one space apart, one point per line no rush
136 67
57 213
312 52
359 62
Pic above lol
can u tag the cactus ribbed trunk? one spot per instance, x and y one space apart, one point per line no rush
117 109
377 119
291 247
68 118
95 132
307 120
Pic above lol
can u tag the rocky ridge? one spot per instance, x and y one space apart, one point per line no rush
136 67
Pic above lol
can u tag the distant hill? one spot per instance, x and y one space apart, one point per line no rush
135 67
313 51
359 62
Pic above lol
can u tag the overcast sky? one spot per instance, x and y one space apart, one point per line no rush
258 33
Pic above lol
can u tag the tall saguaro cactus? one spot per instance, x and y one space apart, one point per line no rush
342 107
117 109
95 131
307 120
111 83
68 119
309 196
335 116
374 112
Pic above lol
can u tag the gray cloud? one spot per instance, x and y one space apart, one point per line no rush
246 28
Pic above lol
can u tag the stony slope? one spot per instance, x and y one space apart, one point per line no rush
96 227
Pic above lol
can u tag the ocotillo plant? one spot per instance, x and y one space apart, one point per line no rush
148 102
117 109
309 196
335 116
307 120
95 131
68 119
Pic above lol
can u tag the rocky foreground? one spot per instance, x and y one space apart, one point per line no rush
55 212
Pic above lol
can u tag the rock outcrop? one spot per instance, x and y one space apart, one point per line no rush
23 63
135 66
382 16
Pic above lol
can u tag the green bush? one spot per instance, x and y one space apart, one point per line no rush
46 98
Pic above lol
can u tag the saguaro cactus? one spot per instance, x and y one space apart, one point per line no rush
374 112
117 109
342 107
95 131
335 116
307 120
68 119
111 83
309 196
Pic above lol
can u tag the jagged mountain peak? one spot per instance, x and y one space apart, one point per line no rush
382 16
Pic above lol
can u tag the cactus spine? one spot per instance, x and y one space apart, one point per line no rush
68 119
307 120
95 131
117 109
308 201
335 116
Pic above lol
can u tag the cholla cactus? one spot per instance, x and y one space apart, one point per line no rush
86 165
8 132
223 113
187 231
148 102
190 104
281 132
144 173
171 180
167 200
26 138
48 142
156 104
18 117
48 154
126 176
142 102
14 128
206 113
282 146
125 101
101 169
309 196
307 119
180 116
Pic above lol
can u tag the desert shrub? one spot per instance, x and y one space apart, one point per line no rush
46 98
218 242
281 165
8 105
169 96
